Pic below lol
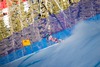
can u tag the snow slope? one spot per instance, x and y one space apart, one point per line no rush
81 49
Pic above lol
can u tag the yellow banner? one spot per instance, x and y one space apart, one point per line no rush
26 42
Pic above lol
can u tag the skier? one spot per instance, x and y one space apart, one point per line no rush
51 38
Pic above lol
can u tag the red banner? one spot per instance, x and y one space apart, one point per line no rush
24 0
3 4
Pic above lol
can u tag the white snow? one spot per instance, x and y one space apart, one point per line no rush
81 49
6 17
26 6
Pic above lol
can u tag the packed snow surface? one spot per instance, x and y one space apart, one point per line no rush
81 49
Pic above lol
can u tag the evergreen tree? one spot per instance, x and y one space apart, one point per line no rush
3 30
